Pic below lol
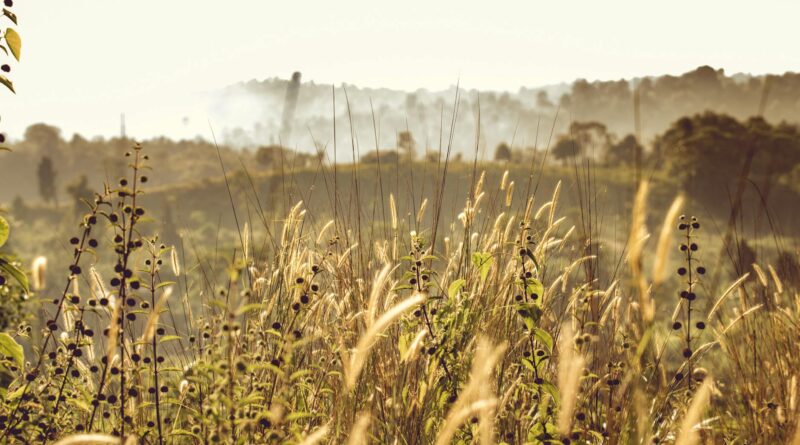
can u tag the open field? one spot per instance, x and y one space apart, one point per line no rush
402 303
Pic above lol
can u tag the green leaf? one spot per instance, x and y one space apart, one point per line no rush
535 287
4 80
4 229
80 404
483 261
402 344
528 364
530 313
10 348
11 16
14 42
553 391
545 338
455 287
15 273
14 395
644 343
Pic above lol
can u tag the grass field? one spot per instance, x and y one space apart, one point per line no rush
406 304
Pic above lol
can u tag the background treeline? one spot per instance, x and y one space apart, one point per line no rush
703 154
252 113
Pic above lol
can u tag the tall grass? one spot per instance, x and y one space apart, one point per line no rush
494 327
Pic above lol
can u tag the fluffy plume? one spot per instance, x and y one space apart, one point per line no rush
664 240
358 435
89 439
570 366
359 355
688 434
475 397
38 271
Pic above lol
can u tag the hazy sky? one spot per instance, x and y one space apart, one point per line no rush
85 61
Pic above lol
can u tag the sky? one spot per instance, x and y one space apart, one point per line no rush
86 61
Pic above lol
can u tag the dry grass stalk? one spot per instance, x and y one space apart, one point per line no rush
38 272
90 439
570 368
636 242
665 239
358 434
358 356
317 436
735 285
688 434
474 398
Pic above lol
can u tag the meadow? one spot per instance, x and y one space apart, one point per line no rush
444 302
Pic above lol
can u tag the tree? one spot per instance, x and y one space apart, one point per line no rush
710 148
406 144
44 137
543 100
270 156
47 180
591 135
502 152
623 152
384 156
432 157
566 148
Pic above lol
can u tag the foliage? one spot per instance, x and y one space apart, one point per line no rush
711 148
566 148
502 152
11 44
623 151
